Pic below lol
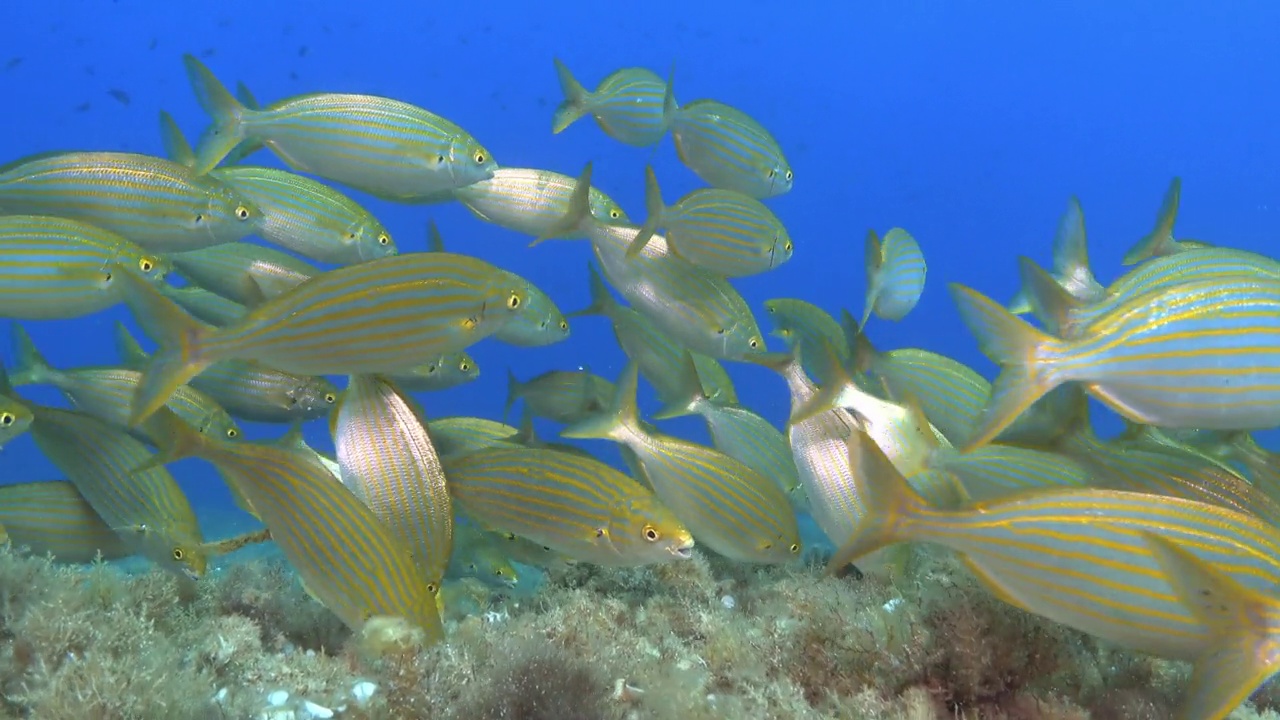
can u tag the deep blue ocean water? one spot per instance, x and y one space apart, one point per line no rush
968 124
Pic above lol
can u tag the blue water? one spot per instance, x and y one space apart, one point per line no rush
968 124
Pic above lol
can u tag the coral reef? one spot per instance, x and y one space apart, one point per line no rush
692 640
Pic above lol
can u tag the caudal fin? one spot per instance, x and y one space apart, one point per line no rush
688 391
578 213
618 417
29 366
888 501
602 301
174 142
574 105
1011 344
654 207
225 112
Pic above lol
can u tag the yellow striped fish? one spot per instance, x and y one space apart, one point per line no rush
563 396
345 556
532 201
53 518
653 350
204 305
145 507
380 316
386 458
243 272
442 373
457 436
249 390
539 322
800 322
479 554
631 105
57 269
105 392
895 275
387 148
1174 578
696 308
729 506
1200 354
158 204
573 504
723 231
296 212
730 150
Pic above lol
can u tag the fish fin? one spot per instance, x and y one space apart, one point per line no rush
175 144
525 433
669 106
620 415
873 258
1011 343
513 393
235 542
830 395
579 211
131 352
180 336
1241 621
245 96
654 207
293 439
1048 300
602 301
29 366
1071 249
6 387
888 500
435 243
174 439
862 354
779 362
225 112
1160 241
575 101
689 390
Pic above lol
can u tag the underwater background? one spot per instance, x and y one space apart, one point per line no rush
968 124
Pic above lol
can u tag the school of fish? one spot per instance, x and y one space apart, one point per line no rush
1164 540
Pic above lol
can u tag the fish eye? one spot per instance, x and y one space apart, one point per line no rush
330 398
145 265
499 572
795 548
439 159
788 176
480 157
232 433
651 533
6 419
787 246
384 239
464 366
242 213
753 343
513 302
615 213
199 217
564 324
431 588
178 554
721 331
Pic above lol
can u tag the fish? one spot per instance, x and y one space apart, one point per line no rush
297 213
457 436
345 556
729 150
723 231
652 349
531 201
384 315
144 506
387 148
631 105
539 321
1071 269
573 504
386 458
895 275
1175 578
249 390
484 561
244 273
1192 355
156 203
696 308
801 322
57 269
563 396
119 96
729 506
52 518
206 306
106 392
444 372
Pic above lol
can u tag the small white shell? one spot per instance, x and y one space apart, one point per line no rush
363 690
316 711
278 698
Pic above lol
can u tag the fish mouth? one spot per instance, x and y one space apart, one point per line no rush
684 551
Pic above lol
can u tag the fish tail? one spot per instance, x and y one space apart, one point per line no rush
654 207
435 243
29 366
689 391
862 354
1012 344
873 258
181 339
829 396
889 504
1048 299
513 393
579 211
575 101
1242 622
621 415
1160 242
669 106
602 301
174 439
175 143
131 352
225 111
